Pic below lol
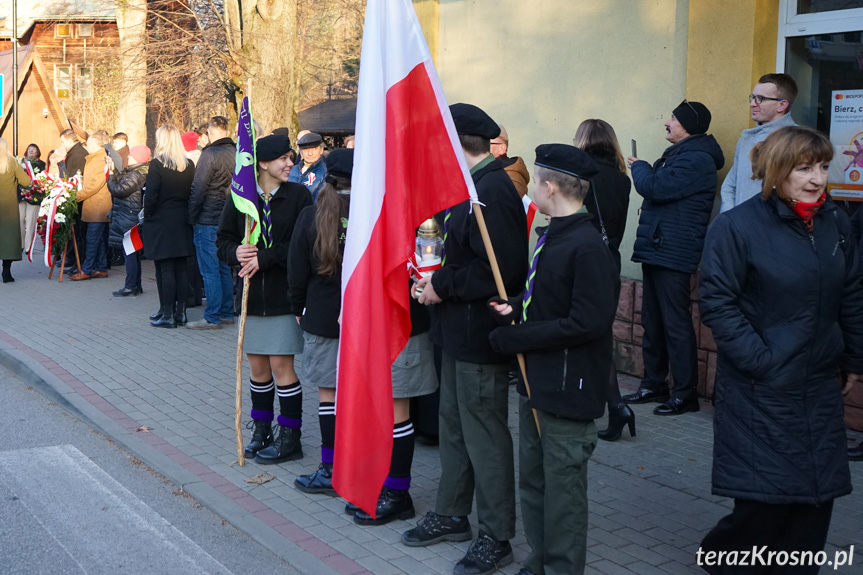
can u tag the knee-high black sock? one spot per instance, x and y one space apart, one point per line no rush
263 395
291 405
399 477
327 419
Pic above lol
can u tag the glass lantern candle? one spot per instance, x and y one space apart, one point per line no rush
429 250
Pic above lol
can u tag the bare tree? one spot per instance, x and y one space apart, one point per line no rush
132 28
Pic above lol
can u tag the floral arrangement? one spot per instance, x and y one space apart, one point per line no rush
39 188
56 214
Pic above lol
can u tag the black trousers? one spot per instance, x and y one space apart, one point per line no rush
793 527
668 332
175 281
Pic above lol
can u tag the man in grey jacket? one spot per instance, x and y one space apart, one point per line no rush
769 102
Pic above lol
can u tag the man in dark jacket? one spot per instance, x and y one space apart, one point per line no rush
209 190
475 442
76 157
678 192
311 169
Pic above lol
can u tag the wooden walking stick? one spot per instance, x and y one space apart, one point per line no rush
242 333
501 292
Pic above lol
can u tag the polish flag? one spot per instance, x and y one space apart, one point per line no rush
132 241
530 209
400 103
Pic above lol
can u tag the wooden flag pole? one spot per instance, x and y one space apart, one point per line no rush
238 417
501 292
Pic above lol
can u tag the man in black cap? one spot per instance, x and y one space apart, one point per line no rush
678 192
475 442
564 321
311 170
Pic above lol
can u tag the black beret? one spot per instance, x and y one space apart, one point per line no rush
472 121
310 140
282 132
340 162
271 147
693 116
567 159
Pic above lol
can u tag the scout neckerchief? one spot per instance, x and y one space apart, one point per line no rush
528 285
267 220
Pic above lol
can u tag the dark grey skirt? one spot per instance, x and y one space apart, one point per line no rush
413 370
319 360
273 335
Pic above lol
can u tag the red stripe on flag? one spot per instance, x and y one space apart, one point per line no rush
375 319
530 209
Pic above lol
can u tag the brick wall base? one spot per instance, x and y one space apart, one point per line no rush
627 347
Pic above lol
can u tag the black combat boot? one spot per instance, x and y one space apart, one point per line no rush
321 481
286 447
392 504
262 436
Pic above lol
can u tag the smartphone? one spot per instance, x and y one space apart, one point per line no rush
634 151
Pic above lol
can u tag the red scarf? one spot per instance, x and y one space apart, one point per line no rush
805 210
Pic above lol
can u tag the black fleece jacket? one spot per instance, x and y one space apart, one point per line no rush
268 288
567 338
317 298
466 283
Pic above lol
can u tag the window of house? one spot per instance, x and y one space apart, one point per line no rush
63 81
85 30
63 30
85 83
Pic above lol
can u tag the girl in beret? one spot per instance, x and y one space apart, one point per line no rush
272 336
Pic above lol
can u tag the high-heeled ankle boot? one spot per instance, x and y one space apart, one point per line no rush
167 318
618 416
180 313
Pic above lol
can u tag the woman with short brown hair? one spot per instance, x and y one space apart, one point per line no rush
780 288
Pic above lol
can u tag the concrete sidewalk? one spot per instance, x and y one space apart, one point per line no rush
168 397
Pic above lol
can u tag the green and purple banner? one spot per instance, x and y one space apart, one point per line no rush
244 188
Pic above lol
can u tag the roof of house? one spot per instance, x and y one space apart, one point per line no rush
32 11
28 57
330 117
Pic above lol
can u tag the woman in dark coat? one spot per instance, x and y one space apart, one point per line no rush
127 191
780 288
167 233
608 201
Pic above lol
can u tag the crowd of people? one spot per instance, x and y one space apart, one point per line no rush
780 287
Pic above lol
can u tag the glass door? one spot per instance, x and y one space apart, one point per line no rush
821 47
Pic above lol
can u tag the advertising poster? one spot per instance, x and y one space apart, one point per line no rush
846 134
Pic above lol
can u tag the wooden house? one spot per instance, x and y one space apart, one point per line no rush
40 114
70 36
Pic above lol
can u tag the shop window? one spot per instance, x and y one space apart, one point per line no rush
63 81
85 30
63 30
815 6
85 83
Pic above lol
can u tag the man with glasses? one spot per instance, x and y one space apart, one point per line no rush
678 191
769 103
514 167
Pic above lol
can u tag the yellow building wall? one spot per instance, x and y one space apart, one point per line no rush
540 68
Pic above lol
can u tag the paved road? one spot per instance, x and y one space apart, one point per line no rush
73 502
649 496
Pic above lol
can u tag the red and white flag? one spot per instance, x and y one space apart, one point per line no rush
400 102
132 241
530 209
